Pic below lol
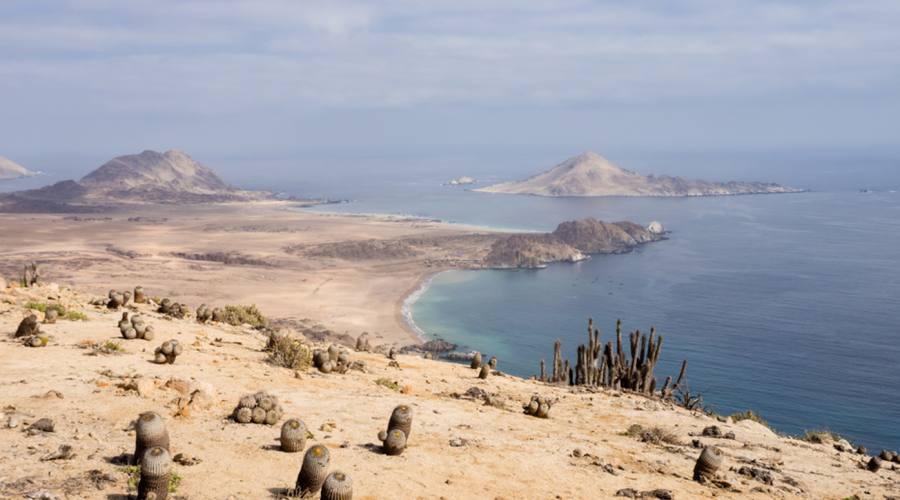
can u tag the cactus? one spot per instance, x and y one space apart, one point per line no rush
218 315
259 408
362 342
36 341
168 351
116 300
476 361
313 471
538 407
394 441
874 464
28 327
51 315
243 415
126 297
401 418
203 314
247 401
493 362
156 464
338 486
259 415
150 431
139 297
293 436
707 464
485 371
31 276
333 352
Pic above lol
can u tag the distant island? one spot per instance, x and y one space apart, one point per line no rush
149 177
465 180
12 170
589 174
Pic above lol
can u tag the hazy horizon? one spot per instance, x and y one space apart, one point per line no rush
94 79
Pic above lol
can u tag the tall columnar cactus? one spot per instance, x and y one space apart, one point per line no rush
393 442
401 418
708 463
293 435
485 371
150 431
139 296
156 465
362 343
313 471
476 361
493 362
338 486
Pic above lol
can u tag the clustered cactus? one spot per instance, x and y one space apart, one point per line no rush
293 435
118 299
150 432
259 408
708 463
203 314
399 426
167 352
538 407
156 465
173 309
135 328
362 343
334 359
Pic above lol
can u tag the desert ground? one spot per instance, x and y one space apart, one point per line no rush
322 270
469 439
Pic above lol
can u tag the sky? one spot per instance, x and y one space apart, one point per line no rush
248 77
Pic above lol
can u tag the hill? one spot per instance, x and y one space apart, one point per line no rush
12 170
589 174
149 177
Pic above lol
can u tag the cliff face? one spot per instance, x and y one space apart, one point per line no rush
569 242
590 174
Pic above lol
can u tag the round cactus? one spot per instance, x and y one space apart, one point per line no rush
148 333
493 362
326 367
36 341
343 358
293 436
394 442
265 403
874 464
156 464
247 401
485 371
273 416
50 316
150 431
159 358
338 486
167 348
543 410
707 464
129 333
320 358
177 348
139 297
243 415
259 415
476 361
401 418
313 471
126 296
531 407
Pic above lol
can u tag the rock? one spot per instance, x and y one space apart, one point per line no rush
180 385
63 453
144 386
874 464
656 227
42 425
760 475
458 442
186 459
628 493
659 493
712 431
729 435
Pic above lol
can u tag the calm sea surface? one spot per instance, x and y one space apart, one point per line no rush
785 304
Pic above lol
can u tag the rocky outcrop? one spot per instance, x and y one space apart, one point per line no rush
571 241
590 174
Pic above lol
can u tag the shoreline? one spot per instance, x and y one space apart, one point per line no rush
409 300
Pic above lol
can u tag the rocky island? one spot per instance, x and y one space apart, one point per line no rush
590 174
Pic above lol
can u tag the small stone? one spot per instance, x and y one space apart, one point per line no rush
577 453
659 493
627 493
144 386
458 442
186 459
729 435
64 452
712 431
42 425
874 464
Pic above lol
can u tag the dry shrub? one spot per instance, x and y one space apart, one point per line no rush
289 352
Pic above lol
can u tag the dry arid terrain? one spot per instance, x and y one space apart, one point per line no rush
469 439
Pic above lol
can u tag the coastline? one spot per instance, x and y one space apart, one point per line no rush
410 299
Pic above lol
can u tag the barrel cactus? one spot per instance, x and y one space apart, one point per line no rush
28 326
362 342
708 463
485 371
476 361
401 418
139 296
394 441
874 464
259 408
338 486
493 362
293 436
168 351
313 471
156 465
150 431
538 407
51 315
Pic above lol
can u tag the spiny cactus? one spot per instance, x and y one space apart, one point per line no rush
362 343
313 471
150 431
874 464
218 315
334 359
156 466
476 361
338 486
707 464
28 327
203 314
393 441
173 309
139 296
538 407
401 418
293 435
493 362
116 299
135 328
259 408
168 351
51 315
36 341
485 371
31 275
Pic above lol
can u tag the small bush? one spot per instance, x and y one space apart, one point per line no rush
820 436
390 384
748 415
76 316
44 306
239 315
289 352
652 435
134 477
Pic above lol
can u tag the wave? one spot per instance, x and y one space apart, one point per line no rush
410 301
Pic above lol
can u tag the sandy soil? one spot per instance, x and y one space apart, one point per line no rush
459 448
292 271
